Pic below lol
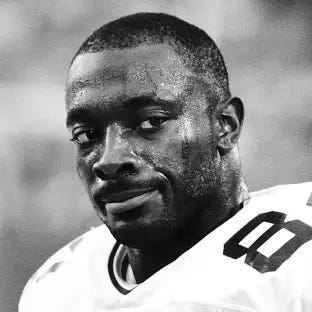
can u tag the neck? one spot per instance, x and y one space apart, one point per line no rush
147 261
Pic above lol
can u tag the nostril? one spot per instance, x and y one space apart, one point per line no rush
99 173
115 169
126 169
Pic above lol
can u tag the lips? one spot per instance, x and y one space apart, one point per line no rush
124 195
125 200
130 203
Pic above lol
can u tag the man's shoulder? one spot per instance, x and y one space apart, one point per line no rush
76 251
285 192
277 221
66 269
286 198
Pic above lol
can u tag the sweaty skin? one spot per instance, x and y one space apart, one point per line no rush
156 160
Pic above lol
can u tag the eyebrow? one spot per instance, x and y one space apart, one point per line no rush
79 114
141 101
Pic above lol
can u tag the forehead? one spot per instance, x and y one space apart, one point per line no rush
147 70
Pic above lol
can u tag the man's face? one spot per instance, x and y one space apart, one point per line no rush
146 148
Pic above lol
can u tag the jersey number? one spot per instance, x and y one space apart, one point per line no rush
255 259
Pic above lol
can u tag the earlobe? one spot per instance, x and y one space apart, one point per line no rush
230 120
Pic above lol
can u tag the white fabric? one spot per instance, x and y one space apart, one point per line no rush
76 278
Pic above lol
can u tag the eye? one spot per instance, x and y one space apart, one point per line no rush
152 124
84 136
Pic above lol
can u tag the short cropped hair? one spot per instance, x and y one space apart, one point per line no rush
198 52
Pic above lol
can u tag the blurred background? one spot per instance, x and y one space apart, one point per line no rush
266 45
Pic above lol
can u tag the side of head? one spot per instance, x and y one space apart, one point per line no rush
149 107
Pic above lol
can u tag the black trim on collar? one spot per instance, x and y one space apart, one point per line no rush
111 270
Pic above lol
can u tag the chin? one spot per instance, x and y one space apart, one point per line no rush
132 236
132 240
147 225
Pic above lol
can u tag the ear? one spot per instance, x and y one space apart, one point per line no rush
230 120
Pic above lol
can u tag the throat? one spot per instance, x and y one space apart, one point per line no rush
146 262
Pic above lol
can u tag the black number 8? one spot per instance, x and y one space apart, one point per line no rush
263 264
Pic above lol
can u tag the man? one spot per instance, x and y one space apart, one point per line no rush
150 112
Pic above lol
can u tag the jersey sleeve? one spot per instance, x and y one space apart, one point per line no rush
67 279
34 295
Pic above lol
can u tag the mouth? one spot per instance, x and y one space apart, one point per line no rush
125 201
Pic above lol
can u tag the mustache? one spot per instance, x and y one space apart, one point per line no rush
127 184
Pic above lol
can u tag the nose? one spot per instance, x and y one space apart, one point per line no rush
117 157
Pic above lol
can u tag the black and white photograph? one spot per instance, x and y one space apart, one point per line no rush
156 156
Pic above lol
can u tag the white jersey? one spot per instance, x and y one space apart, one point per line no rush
258 260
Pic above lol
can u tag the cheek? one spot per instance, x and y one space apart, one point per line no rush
165 153
197 141
84 164
199 156
182 146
